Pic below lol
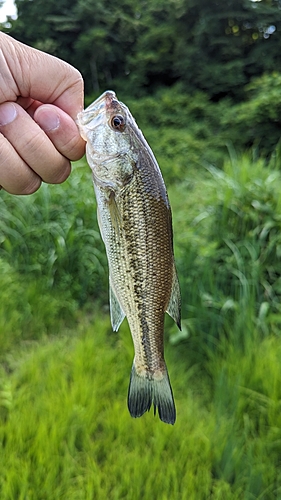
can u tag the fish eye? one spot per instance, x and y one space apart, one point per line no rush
118 123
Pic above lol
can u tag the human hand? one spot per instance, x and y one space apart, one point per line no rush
40 97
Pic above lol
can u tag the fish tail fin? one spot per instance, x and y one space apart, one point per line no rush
145 391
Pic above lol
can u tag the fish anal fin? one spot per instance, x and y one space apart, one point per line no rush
174 306
145 391
116 312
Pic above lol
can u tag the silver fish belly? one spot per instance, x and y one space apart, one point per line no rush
136 226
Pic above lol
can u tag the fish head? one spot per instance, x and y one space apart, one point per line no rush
108 127
105 125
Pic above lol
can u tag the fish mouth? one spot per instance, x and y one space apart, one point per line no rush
95 113
112 104
106 100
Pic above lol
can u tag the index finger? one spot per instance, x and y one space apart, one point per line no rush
41 76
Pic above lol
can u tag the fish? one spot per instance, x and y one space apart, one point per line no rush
135 221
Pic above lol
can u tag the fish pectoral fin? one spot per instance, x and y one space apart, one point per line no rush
114 213
100 223
174 307
116 312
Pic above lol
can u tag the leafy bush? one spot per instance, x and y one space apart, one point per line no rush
229 253
257 120
247 225
29 309
53 236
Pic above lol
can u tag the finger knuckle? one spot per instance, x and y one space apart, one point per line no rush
62 173
30 186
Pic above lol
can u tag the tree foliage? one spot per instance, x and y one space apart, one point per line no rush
215 46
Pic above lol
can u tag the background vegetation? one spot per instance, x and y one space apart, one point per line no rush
203 81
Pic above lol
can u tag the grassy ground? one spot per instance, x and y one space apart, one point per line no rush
65 432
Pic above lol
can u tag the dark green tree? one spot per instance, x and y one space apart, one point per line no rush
212 45
222 44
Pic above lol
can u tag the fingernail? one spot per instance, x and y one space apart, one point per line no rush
47 119
8 113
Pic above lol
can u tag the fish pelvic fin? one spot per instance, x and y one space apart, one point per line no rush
147 390
174 307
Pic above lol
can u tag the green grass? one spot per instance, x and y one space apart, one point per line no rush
53 236
65 431
80 441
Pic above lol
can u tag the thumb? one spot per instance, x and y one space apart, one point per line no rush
62 131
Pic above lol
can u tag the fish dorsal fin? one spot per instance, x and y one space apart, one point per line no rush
174 307
116 312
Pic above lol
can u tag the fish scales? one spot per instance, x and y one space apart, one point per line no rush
147 266
136 225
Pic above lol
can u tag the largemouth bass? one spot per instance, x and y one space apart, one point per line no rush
135 222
